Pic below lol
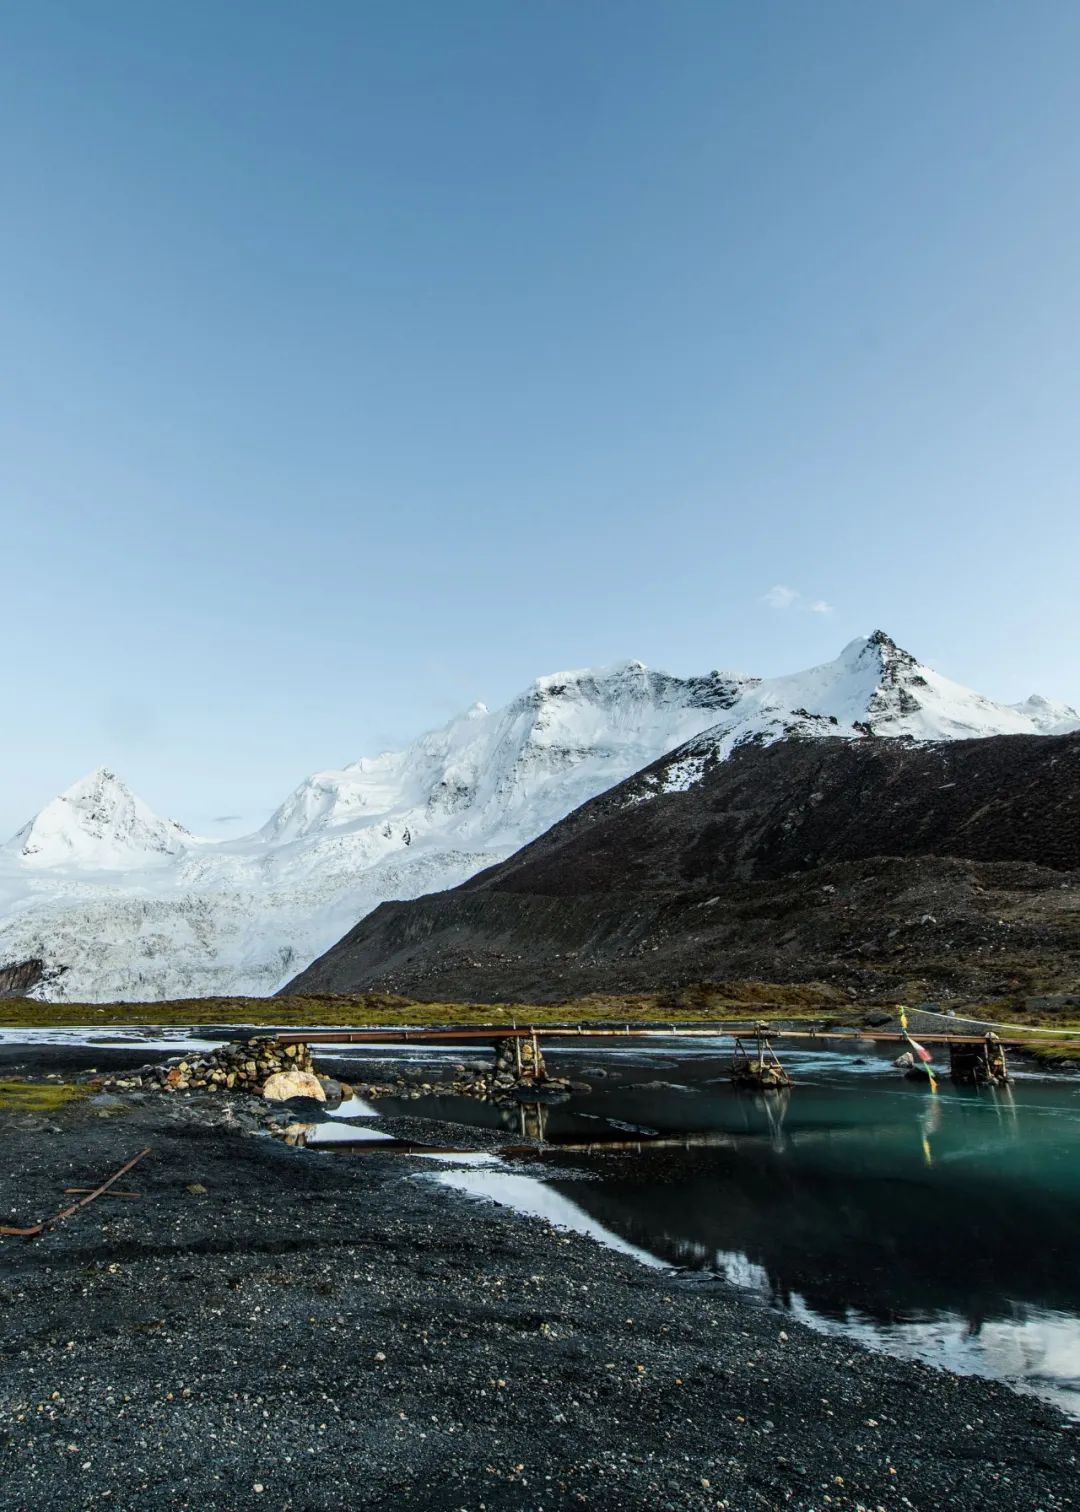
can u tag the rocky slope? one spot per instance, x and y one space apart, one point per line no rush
870 864
111 902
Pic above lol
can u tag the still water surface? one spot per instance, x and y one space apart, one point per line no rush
942 1227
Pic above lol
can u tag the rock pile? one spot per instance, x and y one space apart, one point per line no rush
238 1067
264 1067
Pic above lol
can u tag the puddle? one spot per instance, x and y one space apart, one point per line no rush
342 1134
459 1157
354 1107
527 1195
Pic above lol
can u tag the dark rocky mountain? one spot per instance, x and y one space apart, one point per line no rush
20 977
875 865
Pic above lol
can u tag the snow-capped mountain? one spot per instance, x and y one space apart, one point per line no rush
119 904
521 766
875 688
100 825
1048 716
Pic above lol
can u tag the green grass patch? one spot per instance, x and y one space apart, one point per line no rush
1053 1052
38 1097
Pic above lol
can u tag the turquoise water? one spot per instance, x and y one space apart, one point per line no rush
945 1227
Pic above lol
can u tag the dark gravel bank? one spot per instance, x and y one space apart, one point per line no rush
321 1331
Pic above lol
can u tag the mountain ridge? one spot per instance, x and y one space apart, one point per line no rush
117 903
862 864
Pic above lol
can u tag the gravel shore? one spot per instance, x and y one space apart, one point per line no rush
288 1329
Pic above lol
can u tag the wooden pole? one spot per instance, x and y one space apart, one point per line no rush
39 1228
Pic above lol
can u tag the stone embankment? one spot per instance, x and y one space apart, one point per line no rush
260 1065
264 1067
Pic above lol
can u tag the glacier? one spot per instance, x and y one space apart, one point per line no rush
118 904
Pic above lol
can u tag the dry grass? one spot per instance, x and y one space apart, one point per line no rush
809 1002
701 1002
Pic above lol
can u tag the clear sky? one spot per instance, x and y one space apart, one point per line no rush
361 360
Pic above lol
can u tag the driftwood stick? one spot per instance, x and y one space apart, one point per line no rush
98 1191
79 1191
39 1228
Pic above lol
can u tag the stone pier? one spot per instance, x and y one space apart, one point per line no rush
520 1056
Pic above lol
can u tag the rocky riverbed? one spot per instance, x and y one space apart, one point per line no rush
269 1327
281 1072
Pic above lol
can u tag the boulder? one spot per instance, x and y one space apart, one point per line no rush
285 1084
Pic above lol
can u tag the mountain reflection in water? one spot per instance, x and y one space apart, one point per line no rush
943 1227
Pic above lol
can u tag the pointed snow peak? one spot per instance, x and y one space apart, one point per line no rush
893 658
97 823
100 785
1048 716
878 648
97 795
874 687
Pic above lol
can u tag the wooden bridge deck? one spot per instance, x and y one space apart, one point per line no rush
729 1030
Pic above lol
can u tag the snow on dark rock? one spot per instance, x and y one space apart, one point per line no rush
117 903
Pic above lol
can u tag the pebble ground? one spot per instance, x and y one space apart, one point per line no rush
313 1331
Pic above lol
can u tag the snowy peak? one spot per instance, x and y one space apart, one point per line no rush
98 824
883 663
627 706
1048 716
513 770
912 700
630 686
873 688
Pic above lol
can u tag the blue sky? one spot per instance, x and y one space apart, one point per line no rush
363 360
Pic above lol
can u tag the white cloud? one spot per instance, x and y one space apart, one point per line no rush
780 596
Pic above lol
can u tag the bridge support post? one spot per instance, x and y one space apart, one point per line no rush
979 1065
521 1058
762 1069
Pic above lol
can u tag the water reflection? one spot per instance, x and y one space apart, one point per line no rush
943 1227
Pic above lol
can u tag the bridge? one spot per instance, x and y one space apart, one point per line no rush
974 1059
740 1028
